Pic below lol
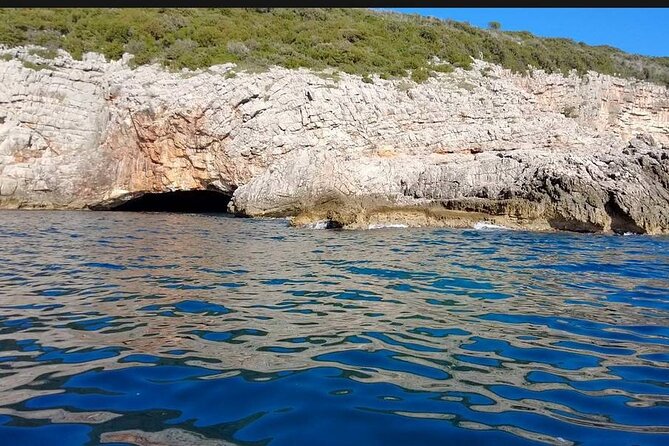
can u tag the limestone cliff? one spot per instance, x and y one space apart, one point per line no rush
542 151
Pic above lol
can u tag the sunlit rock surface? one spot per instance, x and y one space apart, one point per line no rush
541 151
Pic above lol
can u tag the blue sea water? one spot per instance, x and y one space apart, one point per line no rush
183 329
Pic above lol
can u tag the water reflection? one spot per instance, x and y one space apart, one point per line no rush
201 329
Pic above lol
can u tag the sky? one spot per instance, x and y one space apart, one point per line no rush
634 30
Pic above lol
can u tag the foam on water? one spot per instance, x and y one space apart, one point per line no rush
320 224
485 225
386 225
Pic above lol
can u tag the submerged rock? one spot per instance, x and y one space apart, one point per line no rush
542 151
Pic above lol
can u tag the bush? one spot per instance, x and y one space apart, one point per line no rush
36 66
354 41
179 49
420 75
443 68
48 38
239 49
44 53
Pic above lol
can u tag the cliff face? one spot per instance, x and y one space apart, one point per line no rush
544 151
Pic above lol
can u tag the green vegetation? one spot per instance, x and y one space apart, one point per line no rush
44 53
36 66
355 41
420 75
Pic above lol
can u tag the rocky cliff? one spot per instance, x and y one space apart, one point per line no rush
542 151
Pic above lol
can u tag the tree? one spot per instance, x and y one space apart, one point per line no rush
494 25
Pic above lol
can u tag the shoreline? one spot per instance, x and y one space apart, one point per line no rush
410 217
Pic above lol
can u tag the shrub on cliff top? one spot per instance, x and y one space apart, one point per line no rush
355 41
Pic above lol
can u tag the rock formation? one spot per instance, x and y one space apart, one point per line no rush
539 151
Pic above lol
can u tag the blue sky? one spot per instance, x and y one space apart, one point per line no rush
635 30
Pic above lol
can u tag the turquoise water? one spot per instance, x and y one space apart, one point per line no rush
166 329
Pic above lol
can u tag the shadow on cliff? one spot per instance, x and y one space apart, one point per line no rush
621 221
197 201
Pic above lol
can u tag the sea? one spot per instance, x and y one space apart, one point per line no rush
165 329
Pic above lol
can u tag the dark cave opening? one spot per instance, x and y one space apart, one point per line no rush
194 201
621 221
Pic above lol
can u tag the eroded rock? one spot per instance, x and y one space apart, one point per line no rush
543 151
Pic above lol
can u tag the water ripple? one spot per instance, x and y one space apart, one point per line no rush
120 328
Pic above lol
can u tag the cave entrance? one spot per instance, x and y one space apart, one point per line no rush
193 201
